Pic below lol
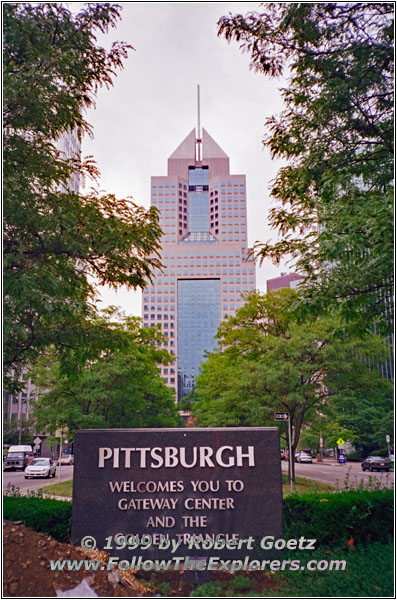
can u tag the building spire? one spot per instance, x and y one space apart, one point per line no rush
198 113
198 156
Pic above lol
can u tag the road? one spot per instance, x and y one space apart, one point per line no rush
17 478
326 472
333 474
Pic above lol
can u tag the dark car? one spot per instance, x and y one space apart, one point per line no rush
376 463
17 461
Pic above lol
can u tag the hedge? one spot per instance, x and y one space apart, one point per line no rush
334 518
41 514
330 518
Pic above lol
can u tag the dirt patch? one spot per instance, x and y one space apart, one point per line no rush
27 572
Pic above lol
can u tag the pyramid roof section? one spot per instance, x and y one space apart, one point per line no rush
187 148
211 148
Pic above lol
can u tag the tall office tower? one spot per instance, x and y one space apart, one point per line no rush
203 214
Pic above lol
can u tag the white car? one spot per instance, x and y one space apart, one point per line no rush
303 457
66 459
40 467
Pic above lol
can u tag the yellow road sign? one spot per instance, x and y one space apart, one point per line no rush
340 442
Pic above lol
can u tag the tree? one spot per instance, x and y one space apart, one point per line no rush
58 244
335 195
121 388
368 415
15 433
270 362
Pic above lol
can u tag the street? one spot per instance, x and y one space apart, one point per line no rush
332 473
327 472
17 478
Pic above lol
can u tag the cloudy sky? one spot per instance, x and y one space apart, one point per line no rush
150 109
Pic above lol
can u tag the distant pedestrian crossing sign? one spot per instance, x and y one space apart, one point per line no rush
340 442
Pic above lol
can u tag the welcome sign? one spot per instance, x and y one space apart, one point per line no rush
158 491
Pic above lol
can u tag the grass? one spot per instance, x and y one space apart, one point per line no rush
368 573
304 485
64 488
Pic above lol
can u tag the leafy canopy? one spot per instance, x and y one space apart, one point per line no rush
58 244
334 196
121 388
270 363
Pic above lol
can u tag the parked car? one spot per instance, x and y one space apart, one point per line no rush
303 457
376 463
18 457
41 467
66 459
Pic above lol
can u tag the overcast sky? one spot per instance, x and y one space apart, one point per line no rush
151 108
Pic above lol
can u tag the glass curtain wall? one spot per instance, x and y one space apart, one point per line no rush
199 316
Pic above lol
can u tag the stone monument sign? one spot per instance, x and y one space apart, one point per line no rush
173 484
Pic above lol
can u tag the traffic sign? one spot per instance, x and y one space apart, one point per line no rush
37 441
340 442
388 438
281 416
36 448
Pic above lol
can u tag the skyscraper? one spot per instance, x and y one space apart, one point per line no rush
203 214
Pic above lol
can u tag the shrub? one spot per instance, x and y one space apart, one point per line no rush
330 518
239 583
333 518
207 590
380 452
45 515
356 456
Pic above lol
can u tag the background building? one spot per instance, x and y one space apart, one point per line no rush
203 214
290 280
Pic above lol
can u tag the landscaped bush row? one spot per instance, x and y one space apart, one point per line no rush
41 514
331 518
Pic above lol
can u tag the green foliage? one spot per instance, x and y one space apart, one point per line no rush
303 485
59 244
164 588
63 488
208 590
335 194
332 519
53 517
270 362
354 483
239 583
356 456
367 414
329 427
368 574
122 388
11 432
